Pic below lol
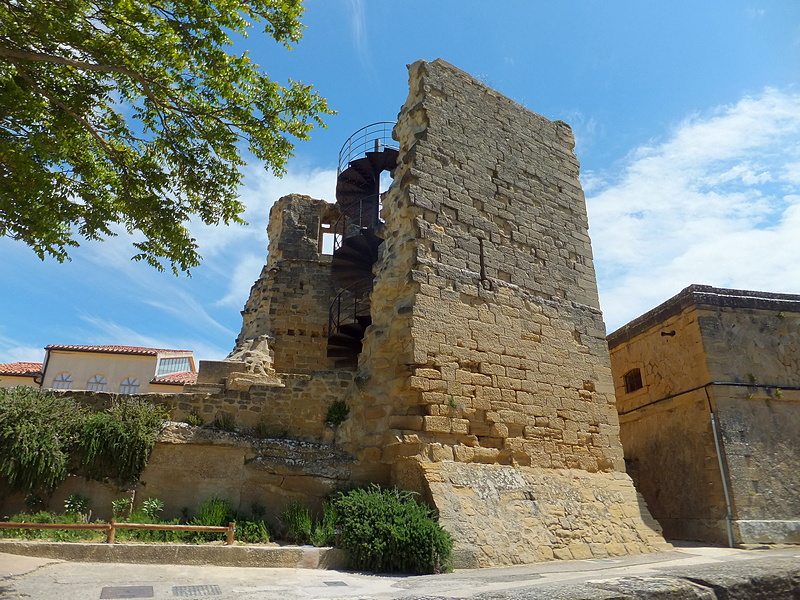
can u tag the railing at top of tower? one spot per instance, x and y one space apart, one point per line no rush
372 138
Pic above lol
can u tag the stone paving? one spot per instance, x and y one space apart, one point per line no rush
686 573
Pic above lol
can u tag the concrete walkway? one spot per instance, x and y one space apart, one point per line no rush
684 573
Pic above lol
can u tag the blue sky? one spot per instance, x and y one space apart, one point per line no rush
687 121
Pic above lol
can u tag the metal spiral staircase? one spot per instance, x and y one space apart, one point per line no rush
368 153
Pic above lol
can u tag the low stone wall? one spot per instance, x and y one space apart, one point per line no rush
296 408
190 464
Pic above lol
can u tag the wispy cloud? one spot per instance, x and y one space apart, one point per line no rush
111 332
12 350
358 25
717 202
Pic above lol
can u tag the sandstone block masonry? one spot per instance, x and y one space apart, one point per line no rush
486 356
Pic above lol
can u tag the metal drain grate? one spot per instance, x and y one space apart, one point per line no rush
335 583
127 591
192 591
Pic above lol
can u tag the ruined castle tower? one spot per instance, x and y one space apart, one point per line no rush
481 371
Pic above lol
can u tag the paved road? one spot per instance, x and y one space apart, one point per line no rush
49 579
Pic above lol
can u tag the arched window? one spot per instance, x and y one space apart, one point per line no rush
633 380
97 383
129 385
62 381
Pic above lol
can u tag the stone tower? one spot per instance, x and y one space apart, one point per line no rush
482 379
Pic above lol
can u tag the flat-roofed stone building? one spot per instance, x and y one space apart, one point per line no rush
708 393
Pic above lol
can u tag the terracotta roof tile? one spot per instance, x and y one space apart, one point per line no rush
115 349
176 378
21 368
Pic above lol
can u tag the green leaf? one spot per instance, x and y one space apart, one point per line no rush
134 113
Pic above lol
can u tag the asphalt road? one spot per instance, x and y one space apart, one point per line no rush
50 579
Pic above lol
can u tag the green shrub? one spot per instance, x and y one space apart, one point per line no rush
117 443
215 512
194 419
252 532
38 434
225 421
77 504
389 531
121 508
324 533
42 433
337 412
152 507
41 516
59 535
298 519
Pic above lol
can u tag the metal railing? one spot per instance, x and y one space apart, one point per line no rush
367 217
111 528
349 304
372 138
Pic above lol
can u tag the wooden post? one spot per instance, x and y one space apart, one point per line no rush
111 533
231 532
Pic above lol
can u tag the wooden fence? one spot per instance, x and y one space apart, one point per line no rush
111 528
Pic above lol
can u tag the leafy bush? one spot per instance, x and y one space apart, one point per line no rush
324 533
38 434
298 519
337 412
252 532
389 531
224 421
76 504
217 512
59 535
121 508
117 443
42 433
151 508
194 419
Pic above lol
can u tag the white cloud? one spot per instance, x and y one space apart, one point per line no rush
715 203
245 272
11 352
248 253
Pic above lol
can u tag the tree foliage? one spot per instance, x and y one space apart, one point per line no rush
137 113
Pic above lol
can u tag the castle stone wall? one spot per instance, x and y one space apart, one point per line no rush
290 300
486 359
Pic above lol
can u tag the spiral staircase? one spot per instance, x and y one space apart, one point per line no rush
368 153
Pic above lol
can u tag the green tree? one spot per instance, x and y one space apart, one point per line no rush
137 113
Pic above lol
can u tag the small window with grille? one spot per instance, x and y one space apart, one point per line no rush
633 380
